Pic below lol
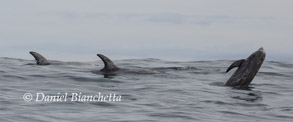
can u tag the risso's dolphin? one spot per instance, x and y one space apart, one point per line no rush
41 60
247 69
111 68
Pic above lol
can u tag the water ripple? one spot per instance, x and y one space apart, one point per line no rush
182 91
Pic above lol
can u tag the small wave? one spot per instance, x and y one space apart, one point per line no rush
102 104
248 98
30 64
87 79
246 95
177 68
271 93
286 108
283 116
232 112
217 84
38 76
173 115
201 72
281 64
128 97
151 59
14 76
274 74
8 58
216 102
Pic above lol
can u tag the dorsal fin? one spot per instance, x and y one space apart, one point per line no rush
109 65
41 60
237 63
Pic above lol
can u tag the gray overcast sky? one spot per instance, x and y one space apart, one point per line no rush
165 29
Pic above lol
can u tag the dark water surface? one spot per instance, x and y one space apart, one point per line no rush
181 92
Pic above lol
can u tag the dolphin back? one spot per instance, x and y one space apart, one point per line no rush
41 60
109 65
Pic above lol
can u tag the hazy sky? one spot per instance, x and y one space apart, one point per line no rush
164 29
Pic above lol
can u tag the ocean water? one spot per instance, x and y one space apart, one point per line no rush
180 92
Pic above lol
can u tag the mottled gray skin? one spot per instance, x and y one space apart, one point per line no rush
41 60
111 68
247 69
109 65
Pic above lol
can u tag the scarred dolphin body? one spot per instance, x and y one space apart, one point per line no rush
247 69
41 60
111 68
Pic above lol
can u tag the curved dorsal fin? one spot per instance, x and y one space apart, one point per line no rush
41 60
109 65
237 63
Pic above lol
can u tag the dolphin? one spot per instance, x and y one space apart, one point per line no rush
112 69
41 60
247 69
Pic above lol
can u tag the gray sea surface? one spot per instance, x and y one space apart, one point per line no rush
179 92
